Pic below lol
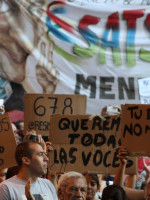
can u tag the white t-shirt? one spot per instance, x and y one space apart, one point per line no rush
14 189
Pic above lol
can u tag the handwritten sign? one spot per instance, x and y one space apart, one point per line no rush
144 90
39 107
135 128
7 143
82 144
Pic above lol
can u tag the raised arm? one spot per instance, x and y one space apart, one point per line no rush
123 156
132 194
147 169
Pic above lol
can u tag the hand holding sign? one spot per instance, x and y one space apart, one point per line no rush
123 154
111 110
31 135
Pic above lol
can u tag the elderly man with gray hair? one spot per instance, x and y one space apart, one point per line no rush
72 185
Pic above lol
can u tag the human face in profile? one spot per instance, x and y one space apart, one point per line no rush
39 161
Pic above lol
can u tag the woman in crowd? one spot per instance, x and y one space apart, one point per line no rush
93 185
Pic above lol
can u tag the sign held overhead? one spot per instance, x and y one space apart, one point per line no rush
39 108
135 128
82 144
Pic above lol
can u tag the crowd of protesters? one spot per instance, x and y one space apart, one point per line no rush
28 179
32 180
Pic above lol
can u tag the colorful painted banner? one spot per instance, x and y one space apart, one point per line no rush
99 48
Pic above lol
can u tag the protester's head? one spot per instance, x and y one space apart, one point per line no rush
14 129
72 185
20 126
11 171
114 192
31 156
93 185
3 174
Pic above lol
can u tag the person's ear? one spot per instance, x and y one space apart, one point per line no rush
25 160
60 194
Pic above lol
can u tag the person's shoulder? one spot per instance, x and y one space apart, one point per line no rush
44 180
8 181
47 182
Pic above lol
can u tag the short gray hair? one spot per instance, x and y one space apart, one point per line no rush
62 182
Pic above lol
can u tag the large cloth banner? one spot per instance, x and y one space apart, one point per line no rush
98 48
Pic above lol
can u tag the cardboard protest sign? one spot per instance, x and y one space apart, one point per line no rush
83 144
135 128
39 107
7 143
